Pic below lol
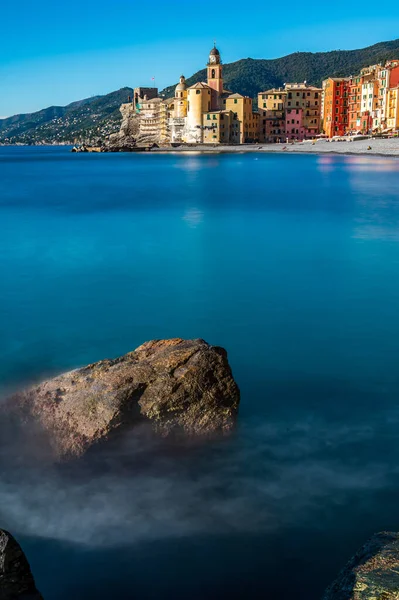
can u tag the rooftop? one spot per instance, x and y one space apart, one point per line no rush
200 86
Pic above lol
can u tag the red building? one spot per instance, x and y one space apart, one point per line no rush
336 91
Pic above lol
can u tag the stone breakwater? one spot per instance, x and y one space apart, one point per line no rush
177 387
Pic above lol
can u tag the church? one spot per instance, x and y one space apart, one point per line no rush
204 113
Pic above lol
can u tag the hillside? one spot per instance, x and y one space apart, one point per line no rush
250 76
85 120
95 118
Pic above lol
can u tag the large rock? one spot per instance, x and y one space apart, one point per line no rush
372 574
175 385
126 138
16 579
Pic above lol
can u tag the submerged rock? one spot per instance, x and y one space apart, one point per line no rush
16 579
372 574
177 386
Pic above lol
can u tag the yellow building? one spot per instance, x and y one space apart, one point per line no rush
204 113
274 99
199 101
221 127
248 119
393 108
271 108
180 104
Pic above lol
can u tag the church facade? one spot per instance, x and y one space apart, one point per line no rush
204 113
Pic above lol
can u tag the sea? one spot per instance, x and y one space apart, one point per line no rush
291 263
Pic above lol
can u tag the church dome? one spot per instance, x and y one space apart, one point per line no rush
181 87
214 52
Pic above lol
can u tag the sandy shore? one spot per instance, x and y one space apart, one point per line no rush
382 147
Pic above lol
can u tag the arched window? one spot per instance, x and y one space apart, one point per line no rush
213 73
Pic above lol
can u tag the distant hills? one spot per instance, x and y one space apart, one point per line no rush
250 76
85 120
95 118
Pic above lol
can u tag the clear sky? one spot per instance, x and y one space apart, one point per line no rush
53 53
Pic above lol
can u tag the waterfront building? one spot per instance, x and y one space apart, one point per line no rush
208 113
143 93
221 127
336 91
204 113
392 121
271 108
355 104
292 112
392 95
308 99
369 108
248 119
367 99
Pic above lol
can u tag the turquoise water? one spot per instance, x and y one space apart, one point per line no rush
289 262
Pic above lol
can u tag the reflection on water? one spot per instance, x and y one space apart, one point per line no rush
291 263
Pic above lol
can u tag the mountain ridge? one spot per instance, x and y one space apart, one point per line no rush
93 119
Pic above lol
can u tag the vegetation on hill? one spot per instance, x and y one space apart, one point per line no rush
250 76
95 118
83 121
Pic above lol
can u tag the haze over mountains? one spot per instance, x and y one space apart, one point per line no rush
94 118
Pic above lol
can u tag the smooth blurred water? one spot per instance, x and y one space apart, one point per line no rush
289 262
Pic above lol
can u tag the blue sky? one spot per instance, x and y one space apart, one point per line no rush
53 53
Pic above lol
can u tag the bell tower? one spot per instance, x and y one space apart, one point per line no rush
215 71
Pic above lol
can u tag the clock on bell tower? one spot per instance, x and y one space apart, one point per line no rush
215 71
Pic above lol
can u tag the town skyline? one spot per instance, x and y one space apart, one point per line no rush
61 56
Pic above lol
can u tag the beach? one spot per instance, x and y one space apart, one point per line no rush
380 147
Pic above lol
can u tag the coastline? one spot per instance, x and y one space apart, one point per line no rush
379 147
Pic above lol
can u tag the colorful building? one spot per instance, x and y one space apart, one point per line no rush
335 117
221 127
355 104
242 106
292 112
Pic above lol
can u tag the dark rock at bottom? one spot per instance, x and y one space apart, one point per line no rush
16 579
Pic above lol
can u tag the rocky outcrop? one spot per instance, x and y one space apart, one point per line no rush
176 386
126 138
372 574
16 579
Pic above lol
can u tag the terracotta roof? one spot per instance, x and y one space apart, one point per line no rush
200 86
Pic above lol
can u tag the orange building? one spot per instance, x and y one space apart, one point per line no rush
354 104
336 92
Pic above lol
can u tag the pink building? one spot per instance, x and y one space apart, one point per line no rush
294 126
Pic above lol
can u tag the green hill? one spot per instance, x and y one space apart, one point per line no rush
95 118
85 120
250 76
